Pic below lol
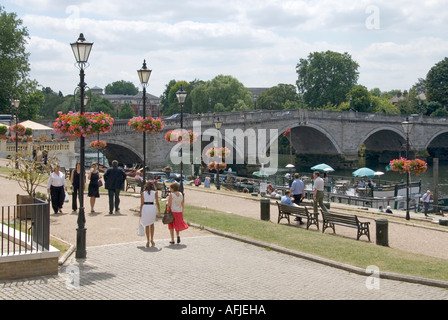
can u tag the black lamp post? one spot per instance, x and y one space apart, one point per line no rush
16 104
181 96
144 73
407 127
81 50
218 124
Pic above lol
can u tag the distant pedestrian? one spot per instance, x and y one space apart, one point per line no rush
75 185
207 182
388 209
114 179
94 187
176 205
297 187
56 187
426 199
318 192
149 210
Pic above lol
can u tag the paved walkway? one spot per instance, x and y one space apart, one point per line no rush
203 266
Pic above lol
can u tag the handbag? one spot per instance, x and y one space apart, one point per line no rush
100 183
66 197
167 217
140 229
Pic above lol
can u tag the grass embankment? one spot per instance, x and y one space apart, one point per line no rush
328 246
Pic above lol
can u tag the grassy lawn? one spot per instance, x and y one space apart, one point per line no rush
337 248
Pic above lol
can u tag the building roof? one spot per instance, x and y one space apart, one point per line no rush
34 125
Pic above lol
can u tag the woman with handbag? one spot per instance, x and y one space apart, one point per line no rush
175 204
94 185
149 208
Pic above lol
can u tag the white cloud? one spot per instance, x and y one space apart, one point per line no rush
257 41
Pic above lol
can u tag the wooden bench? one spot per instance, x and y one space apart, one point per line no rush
284 211
131 183
352 221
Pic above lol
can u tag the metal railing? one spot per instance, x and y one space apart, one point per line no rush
25 228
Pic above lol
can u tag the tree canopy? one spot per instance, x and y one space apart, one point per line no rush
437 83
121 87
326 78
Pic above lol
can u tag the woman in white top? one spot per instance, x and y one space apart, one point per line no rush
176 205
55 187
148 210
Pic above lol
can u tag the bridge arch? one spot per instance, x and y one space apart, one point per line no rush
437 145
321 142
383 135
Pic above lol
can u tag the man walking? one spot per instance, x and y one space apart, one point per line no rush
426 199
297 187
114 182
318 192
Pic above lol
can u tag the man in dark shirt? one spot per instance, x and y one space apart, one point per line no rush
114 179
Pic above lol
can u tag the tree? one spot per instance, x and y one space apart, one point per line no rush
437 83
224 93
326 77
14 65
361 99
121 87
282 96
126 111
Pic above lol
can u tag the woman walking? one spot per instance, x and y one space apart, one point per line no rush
94 188
56 187
75 183
149 208
176 205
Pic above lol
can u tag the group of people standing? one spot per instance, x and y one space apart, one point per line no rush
297 193
114 179
150 210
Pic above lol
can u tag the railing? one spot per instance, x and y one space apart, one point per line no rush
25 228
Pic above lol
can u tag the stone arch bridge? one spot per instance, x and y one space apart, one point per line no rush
326 133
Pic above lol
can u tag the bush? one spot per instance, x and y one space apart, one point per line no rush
3 129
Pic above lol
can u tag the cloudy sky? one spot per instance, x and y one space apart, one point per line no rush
259 42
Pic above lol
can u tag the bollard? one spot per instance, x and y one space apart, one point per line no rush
443 222
382 233
265 207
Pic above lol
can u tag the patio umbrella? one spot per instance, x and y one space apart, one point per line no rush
364 172
260 174
322 167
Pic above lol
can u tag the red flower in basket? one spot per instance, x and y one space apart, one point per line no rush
98 144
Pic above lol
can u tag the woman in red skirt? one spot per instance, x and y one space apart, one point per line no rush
176 205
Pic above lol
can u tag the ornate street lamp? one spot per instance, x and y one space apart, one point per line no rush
81 50
218 124
181 96
144 73
16 104
407 127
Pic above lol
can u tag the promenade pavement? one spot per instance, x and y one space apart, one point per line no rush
203 266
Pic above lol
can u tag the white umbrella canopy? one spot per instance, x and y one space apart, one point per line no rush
322 167
364 172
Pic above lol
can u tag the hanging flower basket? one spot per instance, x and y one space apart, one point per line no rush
19 139
82 125
403 165
98 144
181 136
148 124
218 166
17 128
214 152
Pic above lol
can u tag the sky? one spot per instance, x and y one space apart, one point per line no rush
258 42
